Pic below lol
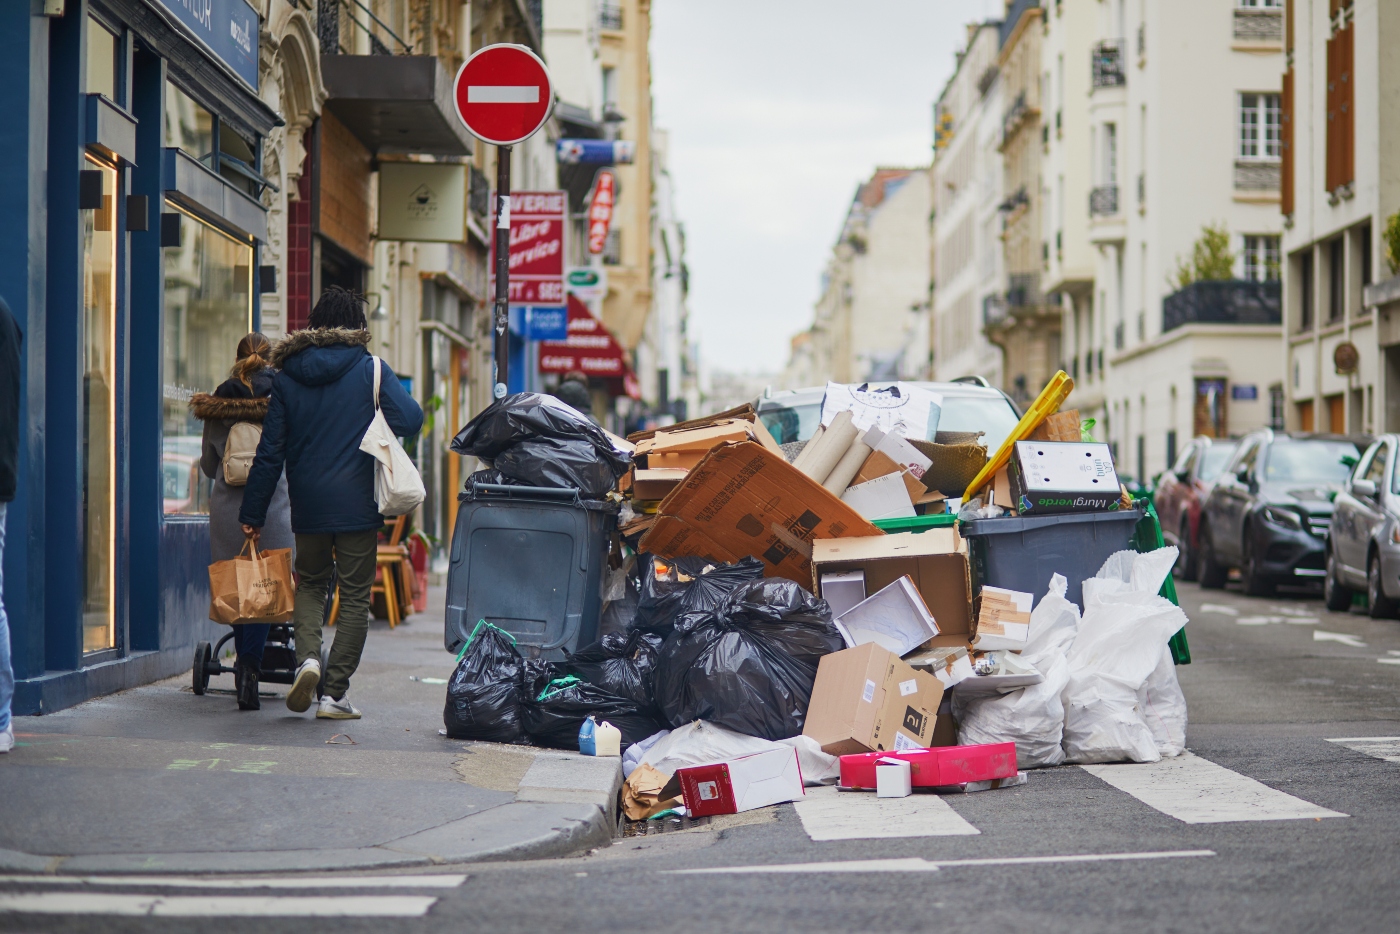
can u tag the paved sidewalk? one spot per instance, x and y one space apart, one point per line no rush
157 779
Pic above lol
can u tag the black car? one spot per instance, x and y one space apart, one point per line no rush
1269 512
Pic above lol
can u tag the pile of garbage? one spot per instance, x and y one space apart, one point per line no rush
884 607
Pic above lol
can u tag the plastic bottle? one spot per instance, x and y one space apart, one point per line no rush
587 737
607 740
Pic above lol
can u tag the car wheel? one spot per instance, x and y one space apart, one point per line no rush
1335 594
1256 584
1186 561
1211 574
1380 606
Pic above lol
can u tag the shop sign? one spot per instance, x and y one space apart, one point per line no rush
227 28
422 201
587 282
589 349
537 224
1246 392
600 211
595 151
547 324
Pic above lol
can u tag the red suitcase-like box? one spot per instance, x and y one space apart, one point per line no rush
938 766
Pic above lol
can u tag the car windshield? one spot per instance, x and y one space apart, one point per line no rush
1309 461
1213 461
991 415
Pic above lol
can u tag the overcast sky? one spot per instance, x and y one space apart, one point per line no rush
777 110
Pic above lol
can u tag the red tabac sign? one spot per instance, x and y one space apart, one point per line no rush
600 211
537 222
588 349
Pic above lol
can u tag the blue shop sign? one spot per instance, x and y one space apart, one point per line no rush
596 151
548 324
1244 393
227 28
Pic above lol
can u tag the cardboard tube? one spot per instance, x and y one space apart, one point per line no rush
805 453
831 447
847 467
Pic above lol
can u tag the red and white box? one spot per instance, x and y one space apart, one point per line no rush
935 767
741 784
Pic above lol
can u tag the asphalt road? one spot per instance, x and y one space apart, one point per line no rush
1272 682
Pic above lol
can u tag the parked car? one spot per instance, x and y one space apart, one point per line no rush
1181 492
1363 545
1270 509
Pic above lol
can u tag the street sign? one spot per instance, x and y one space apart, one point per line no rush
587 282
503 94
596 151
600 211
547 324
538 221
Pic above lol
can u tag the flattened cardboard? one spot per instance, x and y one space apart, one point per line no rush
865 699
743 412
745 500
697 439
1003 619
882 498
935 559
949 664
656 483
879 464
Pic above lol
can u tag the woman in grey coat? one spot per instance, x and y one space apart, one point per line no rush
243 397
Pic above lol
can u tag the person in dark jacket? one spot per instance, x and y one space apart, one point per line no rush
10 341
243 397
322 403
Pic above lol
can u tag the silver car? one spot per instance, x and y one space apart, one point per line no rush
1363 544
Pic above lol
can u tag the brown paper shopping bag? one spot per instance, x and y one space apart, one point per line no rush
255 587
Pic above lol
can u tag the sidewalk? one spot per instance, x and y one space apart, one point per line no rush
157 779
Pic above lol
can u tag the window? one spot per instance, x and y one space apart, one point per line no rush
1260 4
609 87
188 126
1375 472
1109 168
1305 291
103 56
1276 417
1261 258
1260 123
1336 295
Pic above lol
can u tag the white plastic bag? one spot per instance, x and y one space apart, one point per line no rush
398 489
701 743
1163 707
818 768
633 756
1033 717
1120 644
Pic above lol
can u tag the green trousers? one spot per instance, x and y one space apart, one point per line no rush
351 555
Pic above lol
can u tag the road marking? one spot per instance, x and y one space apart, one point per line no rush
1322 635
1197 791
1220 608
915 864
217 882
829 814
503 94
1389 661
1380 747
201 906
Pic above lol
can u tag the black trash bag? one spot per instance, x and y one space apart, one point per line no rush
621 608
560 462
670 587
484 692
620 664
750 664
492 477
557 708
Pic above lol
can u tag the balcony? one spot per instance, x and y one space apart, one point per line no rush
1016 115
1259 25
1256 176
1107 61
610 16
1228 301
1103 201
1023 290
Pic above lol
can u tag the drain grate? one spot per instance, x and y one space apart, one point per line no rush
670 824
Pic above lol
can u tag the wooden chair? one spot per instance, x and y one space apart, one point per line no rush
392 575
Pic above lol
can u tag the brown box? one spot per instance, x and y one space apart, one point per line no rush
866 700
880 464
1061 426
743 412
656 483
745 500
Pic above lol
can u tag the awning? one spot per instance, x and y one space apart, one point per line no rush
589 349
396 103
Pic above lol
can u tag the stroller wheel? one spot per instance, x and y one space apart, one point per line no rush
203 652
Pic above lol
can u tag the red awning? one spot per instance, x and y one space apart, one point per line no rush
589 349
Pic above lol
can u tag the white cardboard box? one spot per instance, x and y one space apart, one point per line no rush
893 778
843 590
896 618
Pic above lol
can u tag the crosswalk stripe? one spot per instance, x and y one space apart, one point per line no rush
199 906
915 864
271 882
1197 791
1380 747
829 814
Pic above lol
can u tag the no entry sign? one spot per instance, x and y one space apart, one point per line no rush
503 94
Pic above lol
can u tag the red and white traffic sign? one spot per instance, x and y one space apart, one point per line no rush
503 94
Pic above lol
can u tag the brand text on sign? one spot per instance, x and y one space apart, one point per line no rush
538 221
600 211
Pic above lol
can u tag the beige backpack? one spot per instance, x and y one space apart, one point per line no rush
239 448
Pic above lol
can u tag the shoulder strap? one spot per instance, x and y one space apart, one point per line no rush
376 382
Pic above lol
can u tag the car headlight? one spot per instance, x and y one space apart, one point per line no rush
1284 517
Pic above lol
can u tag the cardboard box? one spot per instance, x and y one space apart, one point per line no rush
865 699
1057 476
949 664
743 412
882 498
741 784
656 484
1062 426
936 560
894 618
893 445
879 464
693 442
930 768
745 500
843 591
1003 619
892 778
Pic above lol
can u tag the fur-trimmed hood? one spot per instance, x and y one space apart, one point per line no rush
297 341
207 407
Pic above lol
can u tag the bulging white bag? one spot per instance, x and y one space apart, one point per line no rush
397 487
1163 707
1120 645
1032 717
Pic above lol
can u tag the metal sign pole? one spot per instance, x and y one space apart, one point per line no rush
501 364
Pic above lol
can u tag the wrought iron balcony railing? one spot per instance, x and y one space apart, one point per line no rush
1103 201
1107 60
1225 301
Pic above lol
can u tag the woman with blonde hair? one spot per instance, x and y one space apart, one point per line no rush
243 397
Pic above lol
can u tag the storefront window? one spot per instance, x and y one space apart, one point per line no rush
102 58
208 310
98 457
188 126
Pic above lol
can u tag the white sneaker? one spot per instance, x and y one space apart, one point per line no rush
7 739
332 709
304 686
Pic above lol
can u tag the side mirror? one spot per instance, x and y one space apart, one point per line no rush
1366 488
1242 474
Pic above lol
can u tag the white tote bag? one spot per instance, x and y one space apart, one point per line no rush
397 487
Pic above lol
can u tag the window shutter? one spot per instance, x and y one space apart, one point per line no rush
1346 106
1286 144
1333 169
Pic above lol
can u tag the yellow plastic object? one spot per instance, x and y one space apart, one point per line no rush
1046 404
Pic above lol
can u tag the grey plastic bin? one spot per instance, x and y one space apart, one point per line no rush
529 560
1022 552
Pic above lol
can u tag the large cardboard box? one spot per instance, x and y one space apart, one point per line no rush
866 700
1060 476
936 560
741 784
743 500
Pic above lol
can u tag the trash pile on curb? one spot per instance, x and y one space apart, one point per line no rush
886 607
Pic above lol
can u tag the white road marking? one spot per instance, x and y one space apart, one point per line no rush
503 94
217 882
1296 611
1197 791
915 864
1260 620
829 814
1220 608
1322 635
1380 747
217 906
1389 661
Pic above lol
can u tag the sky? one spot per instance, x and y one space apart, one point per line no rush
777 110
